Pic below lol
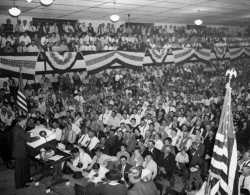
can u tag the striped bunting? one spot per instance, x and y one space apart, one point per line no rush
61 61
224 160
21 101
158 56
107 59
12 64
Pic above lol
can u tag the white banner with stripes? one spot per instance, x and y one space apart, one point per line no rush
14 63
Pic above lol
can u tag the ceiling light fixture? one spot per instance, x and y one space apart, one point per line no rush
46 2
14 11
29 1
198 22
114 17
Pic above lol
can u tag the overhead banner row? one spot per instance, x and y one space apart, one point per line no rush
30 64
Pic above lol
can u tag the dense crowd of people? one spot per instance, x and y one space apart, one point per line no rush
150 129
29 36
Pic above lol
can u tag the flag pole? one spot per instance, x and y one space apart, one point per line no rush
20 78
210 180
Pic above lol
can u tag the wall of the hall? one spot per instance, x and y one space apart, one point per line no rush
95 23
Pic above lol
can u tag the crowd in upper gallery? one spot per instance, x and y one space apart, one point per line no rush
29 36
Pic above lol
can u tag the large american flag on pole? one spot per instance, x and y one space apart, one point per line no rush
223 167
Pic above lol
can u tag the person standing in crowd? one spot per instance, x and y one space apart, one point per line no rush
20 139
167 169
112 186
140 187
244 181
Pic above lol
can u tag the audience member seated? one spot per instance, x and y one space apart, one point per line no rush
80 162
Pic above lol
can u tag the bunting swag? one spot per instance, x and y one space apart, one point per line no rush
235 53
13 65
158 55
220 52
247 51
100 61
61 61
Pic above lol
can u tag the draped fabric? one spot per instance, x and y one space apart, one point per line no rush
158 55
221 52
61 61
93 61
13 65
99 61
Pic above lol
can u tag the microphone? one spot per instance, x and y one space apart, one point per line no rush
43 134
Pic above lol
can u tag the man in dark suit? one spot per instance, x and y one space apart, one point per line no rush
196 156
124 167
156 154
20 152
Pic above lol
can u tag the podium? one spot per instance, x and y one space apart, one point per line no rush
51 166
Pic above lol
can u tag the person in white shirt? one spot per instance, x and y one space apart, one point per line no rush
25 38
150 164
68 28
104 117
32 47
88 140
45 40
102 159
143 127
158 141
80 161
114 120
26 26
78 97
78 119
32 27
57 130
244 180
97 173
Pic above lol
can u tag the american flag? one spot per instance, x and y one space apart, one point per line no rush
222 174
21 101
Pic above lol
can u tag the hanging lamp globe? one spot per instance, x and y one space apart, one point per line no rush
14 11
114 18
198 22
46 2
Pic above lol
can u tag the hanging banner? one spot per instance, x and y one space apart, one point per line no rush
203 54
103 60
55 62
182 55
220 52
158 55
247 51
11 66
236 53
62 62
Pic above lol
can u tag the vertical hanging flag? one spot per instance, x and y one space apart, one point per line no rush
224 160
21 99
